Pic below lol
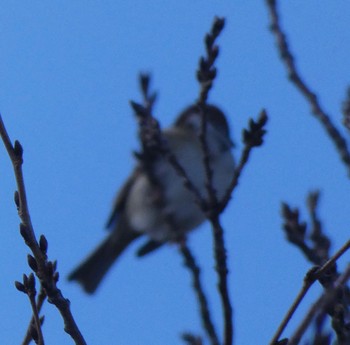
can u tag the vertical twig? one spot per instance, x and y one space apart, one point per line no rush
28 287
45 269
153 145
205 75
39 303
190 263
222 271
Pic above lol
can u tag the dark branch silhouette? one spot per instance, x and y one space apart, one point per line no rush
32 324
316 273
325 301
44 269
28 287
154 145
296 78
205 75
190 263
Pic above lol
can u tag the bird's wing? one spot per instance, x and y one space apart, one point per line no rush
121 198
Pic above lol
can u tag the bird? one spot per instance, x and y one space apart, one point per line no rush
167 211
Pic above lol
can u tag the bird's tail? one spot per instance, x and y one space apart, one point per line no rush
92 270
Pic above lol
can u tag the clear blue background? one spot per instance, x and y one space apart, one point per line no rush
67 72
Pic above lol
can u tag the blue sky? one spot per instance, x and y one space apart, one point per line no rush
67 73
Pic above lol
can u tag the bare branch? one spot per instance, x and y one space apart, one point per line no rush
222 271
320 240
253 137
28 287
296 78
153 142
206 74
45 270
314 274
153 145
190 263
323 302
39 303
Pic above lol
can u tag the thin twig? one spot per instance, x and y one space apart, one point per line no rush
251 138
154 145
295 77
205 76
331 262
315 245
39 303
206 72
313 275
37 319
191 264
291 311
222 271
297 234
321 242
322 302
45 269
28 288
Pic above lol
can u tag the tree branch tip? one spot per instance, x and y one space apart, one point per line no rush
139 109
31 283
32 263
28 285
20 287
219 24
43 244
145 79
313 199
263 117
18 149
253 136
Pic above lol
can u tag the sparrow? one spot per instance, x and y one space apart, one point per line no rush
167 211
